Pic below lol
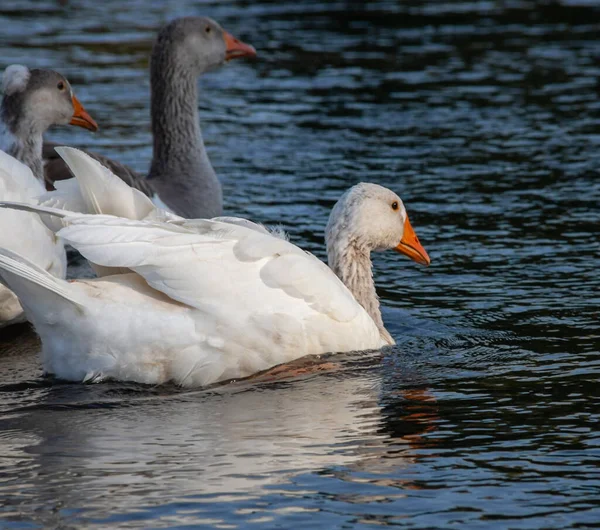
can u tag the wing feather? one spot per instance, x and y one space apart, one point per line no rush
207 264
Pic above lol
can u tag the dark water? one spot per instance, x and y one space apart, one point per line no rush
485 118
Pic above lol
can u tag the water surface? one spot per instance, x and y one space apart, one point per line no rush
485 118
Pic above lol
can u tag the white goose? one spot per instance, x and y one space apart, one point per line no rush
202 301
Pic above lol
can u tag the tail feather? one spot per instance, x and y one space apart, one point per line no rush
102 191
39 292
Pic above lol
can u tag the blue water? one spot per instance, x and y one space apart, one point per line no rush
485 118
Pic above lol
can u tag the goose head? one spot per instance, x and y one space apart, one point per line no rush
200 44
369 217
35 99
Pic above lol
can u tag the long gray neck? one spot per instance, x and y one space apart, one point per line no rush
351 262
22 141
181 172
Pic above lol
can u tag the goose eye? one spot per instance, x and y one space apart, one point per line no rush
207 29
395 205
60 86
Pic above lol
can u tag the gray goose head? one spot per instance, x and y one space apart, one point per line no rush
33 100
196 45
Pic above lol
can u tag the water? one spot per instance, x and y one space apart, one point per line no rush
485 118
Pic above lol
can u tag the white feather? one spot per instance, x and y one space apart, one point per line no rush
23 232
101 190
15 79
97 190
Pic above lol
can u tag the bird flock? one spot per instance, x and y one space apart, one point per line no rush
182 294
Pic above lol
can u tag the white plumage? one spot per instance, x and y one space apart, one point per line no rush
23 232
217 303
97 190
15 79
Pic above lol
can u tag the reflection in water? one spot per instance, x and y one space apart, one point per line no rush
240 438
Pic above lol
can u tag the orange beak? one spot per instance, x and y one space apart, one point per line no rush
236 48
81 117
410 246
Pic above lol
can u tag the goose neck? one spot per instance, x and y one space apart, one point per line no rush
181 171
22 141
175 119
350 260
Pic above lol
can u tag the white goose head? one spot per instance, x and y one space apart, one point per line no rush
370 217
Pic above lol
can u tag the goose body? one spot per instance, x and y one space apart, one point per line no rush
181 176
171 319
201 301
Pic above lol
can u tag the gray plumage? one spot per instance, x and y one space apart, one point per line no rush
33 100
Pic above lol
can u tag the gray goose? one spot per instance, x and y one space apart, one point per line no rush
181 175
32 101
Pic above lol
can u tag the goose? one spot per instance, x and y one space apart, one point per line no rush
32 101
200 301
181 176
